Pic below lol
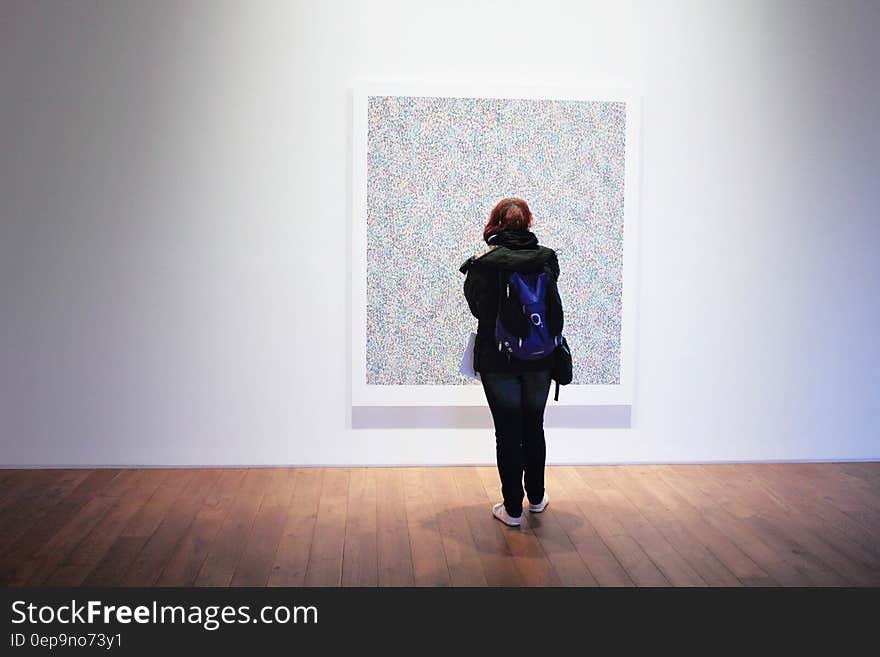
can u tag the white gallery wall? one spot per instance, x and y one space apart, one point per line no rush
174 224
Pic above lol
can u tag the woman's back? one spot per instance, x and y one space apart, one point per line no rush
514 250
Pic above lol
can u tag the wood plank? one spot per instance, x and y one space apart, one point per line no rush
810 503
651 510
797 530
172 483
256 561
834 477
836 490
868 471
225 552
325 557
38 534
147 567
781 565
360 563
133 489
497 558
667 559
637 564
113 567
55 550
593 551
462 557
5 475
69 575
43 547
120 485
429 559
190 553
758 513
395 556
559 547
292 556
719 544
23 512
24 487
854 477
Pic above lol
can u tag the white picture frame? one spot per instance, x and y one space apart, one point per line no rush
363 394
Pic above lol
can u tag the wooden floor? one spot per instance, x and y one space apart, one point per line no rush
681 525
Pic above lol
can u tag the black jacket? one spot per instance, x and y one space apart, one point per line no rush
511 250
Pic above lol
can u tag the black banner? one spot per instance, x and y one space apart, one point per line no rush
127 621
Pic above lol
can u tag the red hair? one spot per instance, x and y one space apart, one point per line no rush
510 213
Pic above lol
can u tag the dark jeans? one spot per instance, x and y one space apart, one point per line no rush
517 402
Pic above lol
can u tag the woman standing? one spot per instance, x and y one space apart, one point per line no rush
516 390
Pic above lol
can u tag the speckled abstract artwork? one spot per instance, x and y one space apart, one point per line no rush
435 169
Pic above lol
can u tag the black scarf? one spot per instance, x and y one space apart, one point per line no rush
514 238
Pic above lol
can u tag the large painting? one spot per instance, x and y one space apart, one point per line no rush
430 162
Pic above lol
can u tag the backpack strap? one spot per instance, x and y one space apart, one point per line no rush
556 396
499 301
502 275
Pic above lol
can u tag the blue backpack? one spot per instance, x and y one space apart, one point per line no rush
521 324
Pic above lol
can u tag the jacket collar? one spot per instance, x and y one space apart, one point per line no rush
513 239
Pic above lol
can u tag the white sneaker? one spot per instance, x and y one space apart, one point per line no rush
501 513
537 508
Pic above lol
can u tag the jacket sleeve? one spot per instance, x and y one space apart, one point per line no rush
473 291
553 263
555 311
